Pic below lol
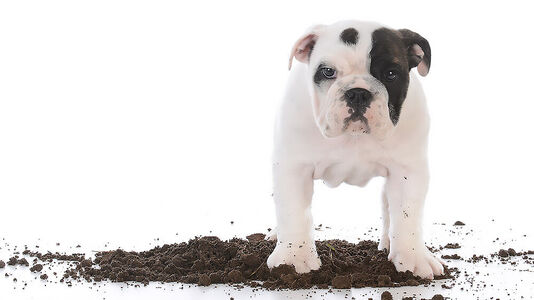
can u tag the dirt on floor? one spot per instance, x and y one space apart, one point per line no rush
208 260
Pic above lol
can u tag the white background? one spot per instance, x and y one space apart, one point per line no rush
125 121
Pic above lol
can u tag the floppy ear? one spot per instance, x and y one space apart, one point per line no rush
304 45
418 51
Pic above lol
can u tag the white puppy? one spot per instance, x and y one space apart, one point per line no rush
353 110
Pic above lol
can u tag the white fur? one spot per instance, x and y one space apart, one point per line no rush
302 154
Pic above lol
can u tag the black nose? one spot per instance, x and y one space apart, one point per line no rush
358 96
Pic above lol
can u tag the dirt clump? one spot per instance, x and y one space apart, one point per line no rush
386 296
503 253
452 246
342 282
204 280
16 261
512 252
36 268
256 237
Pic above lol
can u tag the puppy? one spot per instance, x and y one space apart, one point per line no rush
354 109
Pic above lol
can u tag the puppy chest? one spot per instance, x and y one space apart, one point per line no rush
351 172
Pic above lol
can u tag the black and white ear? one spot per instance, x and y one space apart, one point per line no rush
418 51
304 45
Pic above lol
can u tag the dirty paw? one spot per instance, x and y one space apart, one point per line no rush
420 261
302 255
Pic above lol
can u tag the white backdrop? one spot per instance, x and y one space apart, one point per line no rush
129 120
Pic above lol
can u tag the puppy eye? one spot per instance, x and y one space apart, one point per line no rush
328 73
390 75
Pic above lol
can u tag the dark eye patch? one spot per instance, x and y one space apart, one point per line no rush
386 68
319 76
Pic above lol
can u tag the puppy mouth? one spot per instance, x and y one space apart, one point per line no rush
350 123
355 117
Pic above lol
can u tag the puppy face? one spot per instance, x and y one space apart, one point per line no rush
359 75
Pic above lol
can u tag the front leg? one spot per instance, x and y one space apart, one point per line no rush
405 191
384 239
293 189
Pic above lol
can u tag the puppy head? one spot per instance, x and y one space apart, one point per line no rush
359 75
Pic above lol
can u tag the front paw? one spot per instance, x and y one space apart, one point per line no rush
419 260
302 255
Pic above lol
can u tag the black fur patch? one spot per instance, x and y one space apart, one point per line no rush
389 53
410 38
392 50
349 36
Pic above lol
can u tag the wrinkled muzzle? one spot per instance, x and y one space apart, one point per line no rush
355 105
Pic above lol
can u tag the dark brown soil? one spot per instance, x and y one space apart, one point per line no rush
503 253
16 261
511 252
454 256
452 246
58 256
36 268
208 260
459 223
386 296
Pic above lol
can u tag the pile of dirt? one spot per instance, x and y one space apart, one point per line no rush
208 260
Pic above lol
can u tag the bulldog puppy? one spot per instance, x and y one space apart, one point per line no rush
353 110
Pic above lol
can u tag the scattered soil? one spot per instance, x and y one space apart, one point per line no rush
55 256
452 246
16 261
2 264
208 260
476 258
459 223
454 256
